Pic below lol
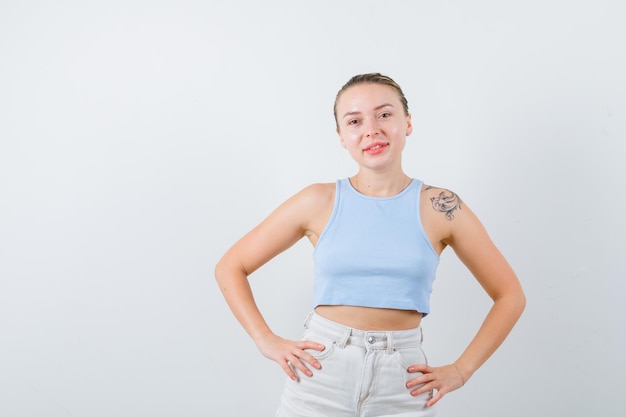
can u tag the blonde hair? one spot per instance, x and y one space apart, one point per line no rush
372 78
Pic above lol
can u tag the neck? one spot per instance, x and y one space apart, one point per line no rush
374 185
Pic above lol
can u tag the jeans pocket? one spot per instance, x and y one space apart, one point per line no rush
408 356
329 345
412 356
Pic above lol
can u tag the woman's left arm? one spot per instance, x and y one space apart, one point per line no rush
475 249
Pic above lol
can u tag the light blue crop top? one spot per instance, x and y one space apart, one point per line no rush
374 252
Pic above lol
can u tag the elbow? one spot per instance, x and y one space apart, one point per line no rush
518 302
513 301
217 271
226 270
220 272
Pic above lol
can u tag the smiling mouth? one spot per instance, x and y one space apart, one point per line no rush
375 147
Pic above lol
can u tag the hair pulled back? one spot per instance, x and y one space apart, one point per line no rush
372 78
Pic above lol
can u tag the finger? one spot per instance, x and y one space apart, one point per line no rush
288 370
308 344
422 388
435 398
303 355
296 362
419 367
420 380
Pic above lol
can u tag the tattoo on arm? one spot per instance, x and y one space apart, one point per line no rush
446 202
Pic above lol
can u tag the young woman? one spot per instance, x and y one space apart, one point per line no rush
377 237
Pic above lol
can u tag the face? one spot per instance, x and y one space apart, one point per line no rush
372 125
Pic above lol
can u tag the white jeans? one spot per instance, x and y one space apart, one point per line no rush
363 374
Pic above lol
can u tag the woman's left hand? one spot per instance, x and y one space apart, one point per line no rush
443 379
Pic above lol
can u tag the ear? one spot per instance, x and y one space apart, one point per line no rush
409 125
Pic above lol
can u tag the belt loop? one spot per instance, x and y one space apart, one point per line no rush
389 342
308 319
344 338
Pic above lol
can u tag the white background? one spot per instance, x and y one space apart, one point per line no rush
140 139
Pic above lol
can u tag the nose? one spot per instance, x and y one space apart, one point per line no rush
371 128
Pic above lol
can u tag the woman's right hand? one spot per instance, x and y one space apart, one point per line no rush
290 354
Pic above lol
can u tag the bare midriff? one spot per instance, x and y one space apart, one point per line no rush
367 318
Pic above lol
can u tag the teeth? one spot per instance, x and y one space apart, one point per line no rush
375 147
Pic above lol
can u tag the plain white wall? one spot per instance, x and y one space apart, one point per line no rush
140 139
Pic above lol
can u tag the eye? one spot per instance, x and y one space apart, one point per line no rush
352 121
385 115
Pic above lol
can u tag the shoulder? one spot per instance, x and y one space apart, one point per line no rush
314 205
442 200
307 203
454 219
316 194
319 190
445 216
296 214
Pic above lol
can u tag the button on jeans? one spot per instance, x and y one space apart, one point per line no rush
364 374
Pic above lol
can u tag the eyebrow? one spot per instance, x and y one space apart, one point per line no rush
352 113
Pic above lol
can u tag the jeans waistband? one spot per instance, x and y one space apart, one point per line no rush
368 339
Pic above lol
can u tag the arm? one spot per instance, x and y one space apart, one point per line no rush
475 249
279 231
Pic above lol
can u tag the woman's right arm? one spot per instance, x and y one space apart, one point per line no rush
290 222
